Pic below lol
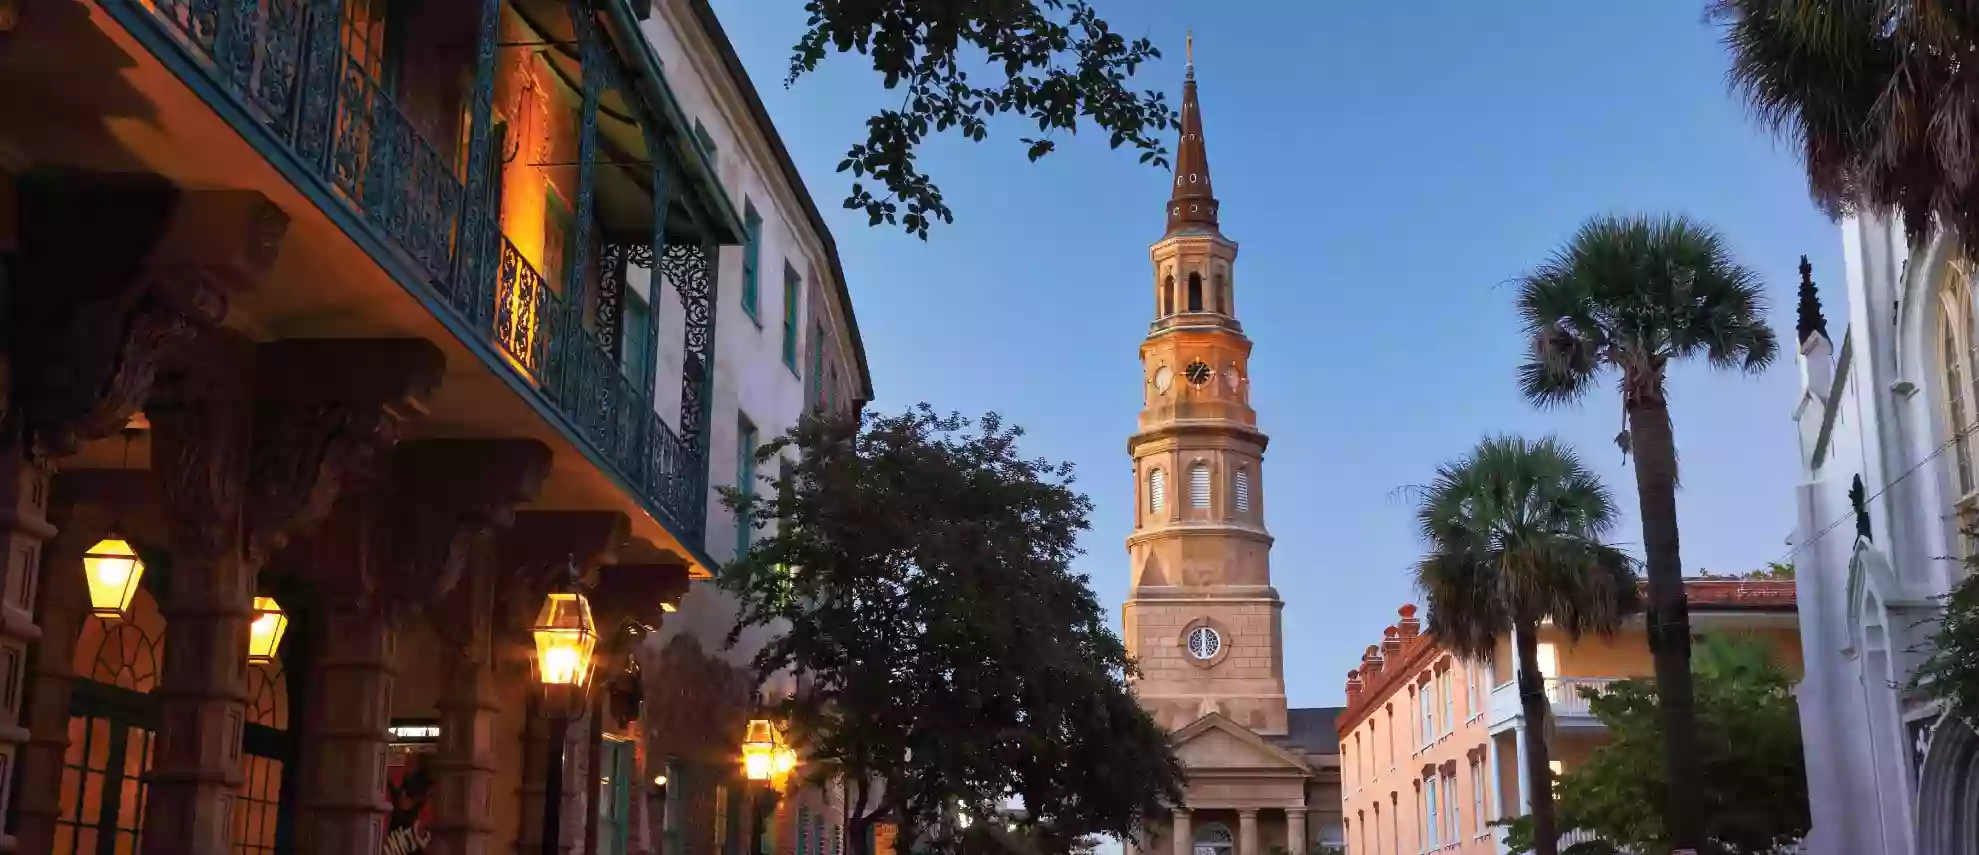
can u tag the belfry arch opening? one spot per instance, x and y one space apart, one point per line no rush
1168 296
1195 292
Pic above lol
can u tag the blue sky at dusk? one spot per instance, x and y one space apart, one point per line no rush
1387 168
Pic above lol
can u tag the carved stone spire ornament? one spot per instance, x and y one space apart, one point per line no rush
1810 319
111 275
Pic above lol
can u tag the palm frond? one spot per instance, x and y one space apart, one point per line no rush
1514 532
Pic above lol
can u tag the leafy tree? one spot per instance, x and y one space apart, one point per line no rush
1514 533
1878 96
1632 295
1053 62
1774 571
918 576
1949 670
1755 781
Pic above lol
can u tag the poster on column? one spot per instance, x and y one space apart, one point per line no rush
409 787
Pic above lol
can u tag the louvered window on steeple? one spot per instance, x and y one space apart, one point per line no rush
1195 292
1243 490
1168 297
1198 485
1157 490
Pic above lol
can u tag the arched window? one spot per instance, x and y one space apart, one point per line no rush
1195 292
1168 296
1157 490
1219 294
1243 490
1198 485
1957 375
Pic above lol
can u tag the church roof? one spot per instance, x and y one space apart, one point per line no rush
1312 730
1192 204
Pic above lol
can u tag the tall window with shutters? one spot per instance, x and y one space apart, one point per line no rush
1198 485
752 251
1243 490
1958 337
1157 490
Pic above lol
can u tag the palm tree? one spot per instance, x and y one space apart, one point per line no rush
1635 294
1879 96
1515 538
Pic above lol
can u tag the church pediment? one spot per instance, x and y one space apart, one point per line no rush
1215 742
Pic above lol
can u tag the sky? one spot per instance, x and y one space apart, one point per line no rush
1388 169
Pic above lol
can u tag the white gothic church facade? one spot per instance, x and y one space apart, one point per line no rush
1889 477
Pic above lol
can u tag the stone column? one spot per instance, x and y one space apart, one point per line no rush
111 274
1247 832
242 465
1185 835
80 511
1295 830
456 496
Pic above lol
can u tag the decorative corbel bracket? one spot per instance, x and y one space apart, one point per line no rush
112 275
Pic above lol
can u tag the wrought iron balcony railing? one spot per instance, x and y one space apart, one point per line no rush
286 62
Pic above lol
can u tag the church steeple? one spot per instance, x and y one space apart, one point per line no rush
1192 204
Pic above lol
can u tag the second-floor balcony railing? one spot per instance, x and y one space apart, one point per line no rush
1568 695
428 182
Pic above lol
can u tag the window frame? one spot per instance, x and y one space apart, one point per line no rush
1200 486
793 293
746 442
752 257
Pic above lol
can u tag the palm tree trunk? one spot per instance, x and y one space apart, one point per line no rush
1538 761
1669 616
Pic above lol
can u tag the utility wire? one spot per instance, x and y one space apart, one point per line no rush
1799 547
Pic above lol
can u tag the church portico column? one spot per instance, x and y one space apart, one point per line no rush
252 444
1295 830
110 275
1247 832
1184 833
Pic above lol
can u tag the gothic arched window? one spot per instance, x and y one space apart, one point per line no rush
1157 490
1957 375
1195 292
1198 485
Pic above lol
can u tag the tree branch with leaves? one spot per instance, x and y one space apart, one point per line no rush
917 570
1052 62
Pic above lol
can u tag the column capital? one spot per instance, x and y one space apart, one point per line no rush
1179 810
115 272
327 412
1301 811
1247 812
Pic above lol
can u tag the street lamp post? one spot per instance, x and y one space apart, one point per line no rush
565 638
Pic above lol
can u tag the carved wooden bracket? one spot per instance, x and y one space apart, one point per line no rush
541 545
327 410
113 274
450 494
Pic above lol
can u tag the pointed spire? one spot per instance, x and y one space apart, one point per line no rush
1192 205
1811 319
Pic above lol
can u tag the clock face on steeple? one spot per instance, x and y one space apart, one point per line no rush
1198 373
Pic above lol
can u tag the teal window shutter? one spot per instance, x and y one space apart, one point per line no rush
745 480
752 249
803 830
793 285
636 343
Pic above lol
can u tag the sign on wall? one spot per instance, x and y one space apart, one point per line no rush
409 788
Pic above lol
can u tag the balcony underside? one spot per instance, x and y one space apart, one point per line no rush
88 90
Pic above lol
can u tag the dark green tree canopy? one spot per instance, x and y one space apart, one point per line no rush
917 569
1754 784
1053 62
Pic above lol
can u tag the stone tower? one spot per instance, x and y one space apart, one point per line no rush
1202 616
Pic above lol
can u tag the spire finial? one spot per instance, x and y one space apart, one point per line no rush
1192 205
1811 319
1189 53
